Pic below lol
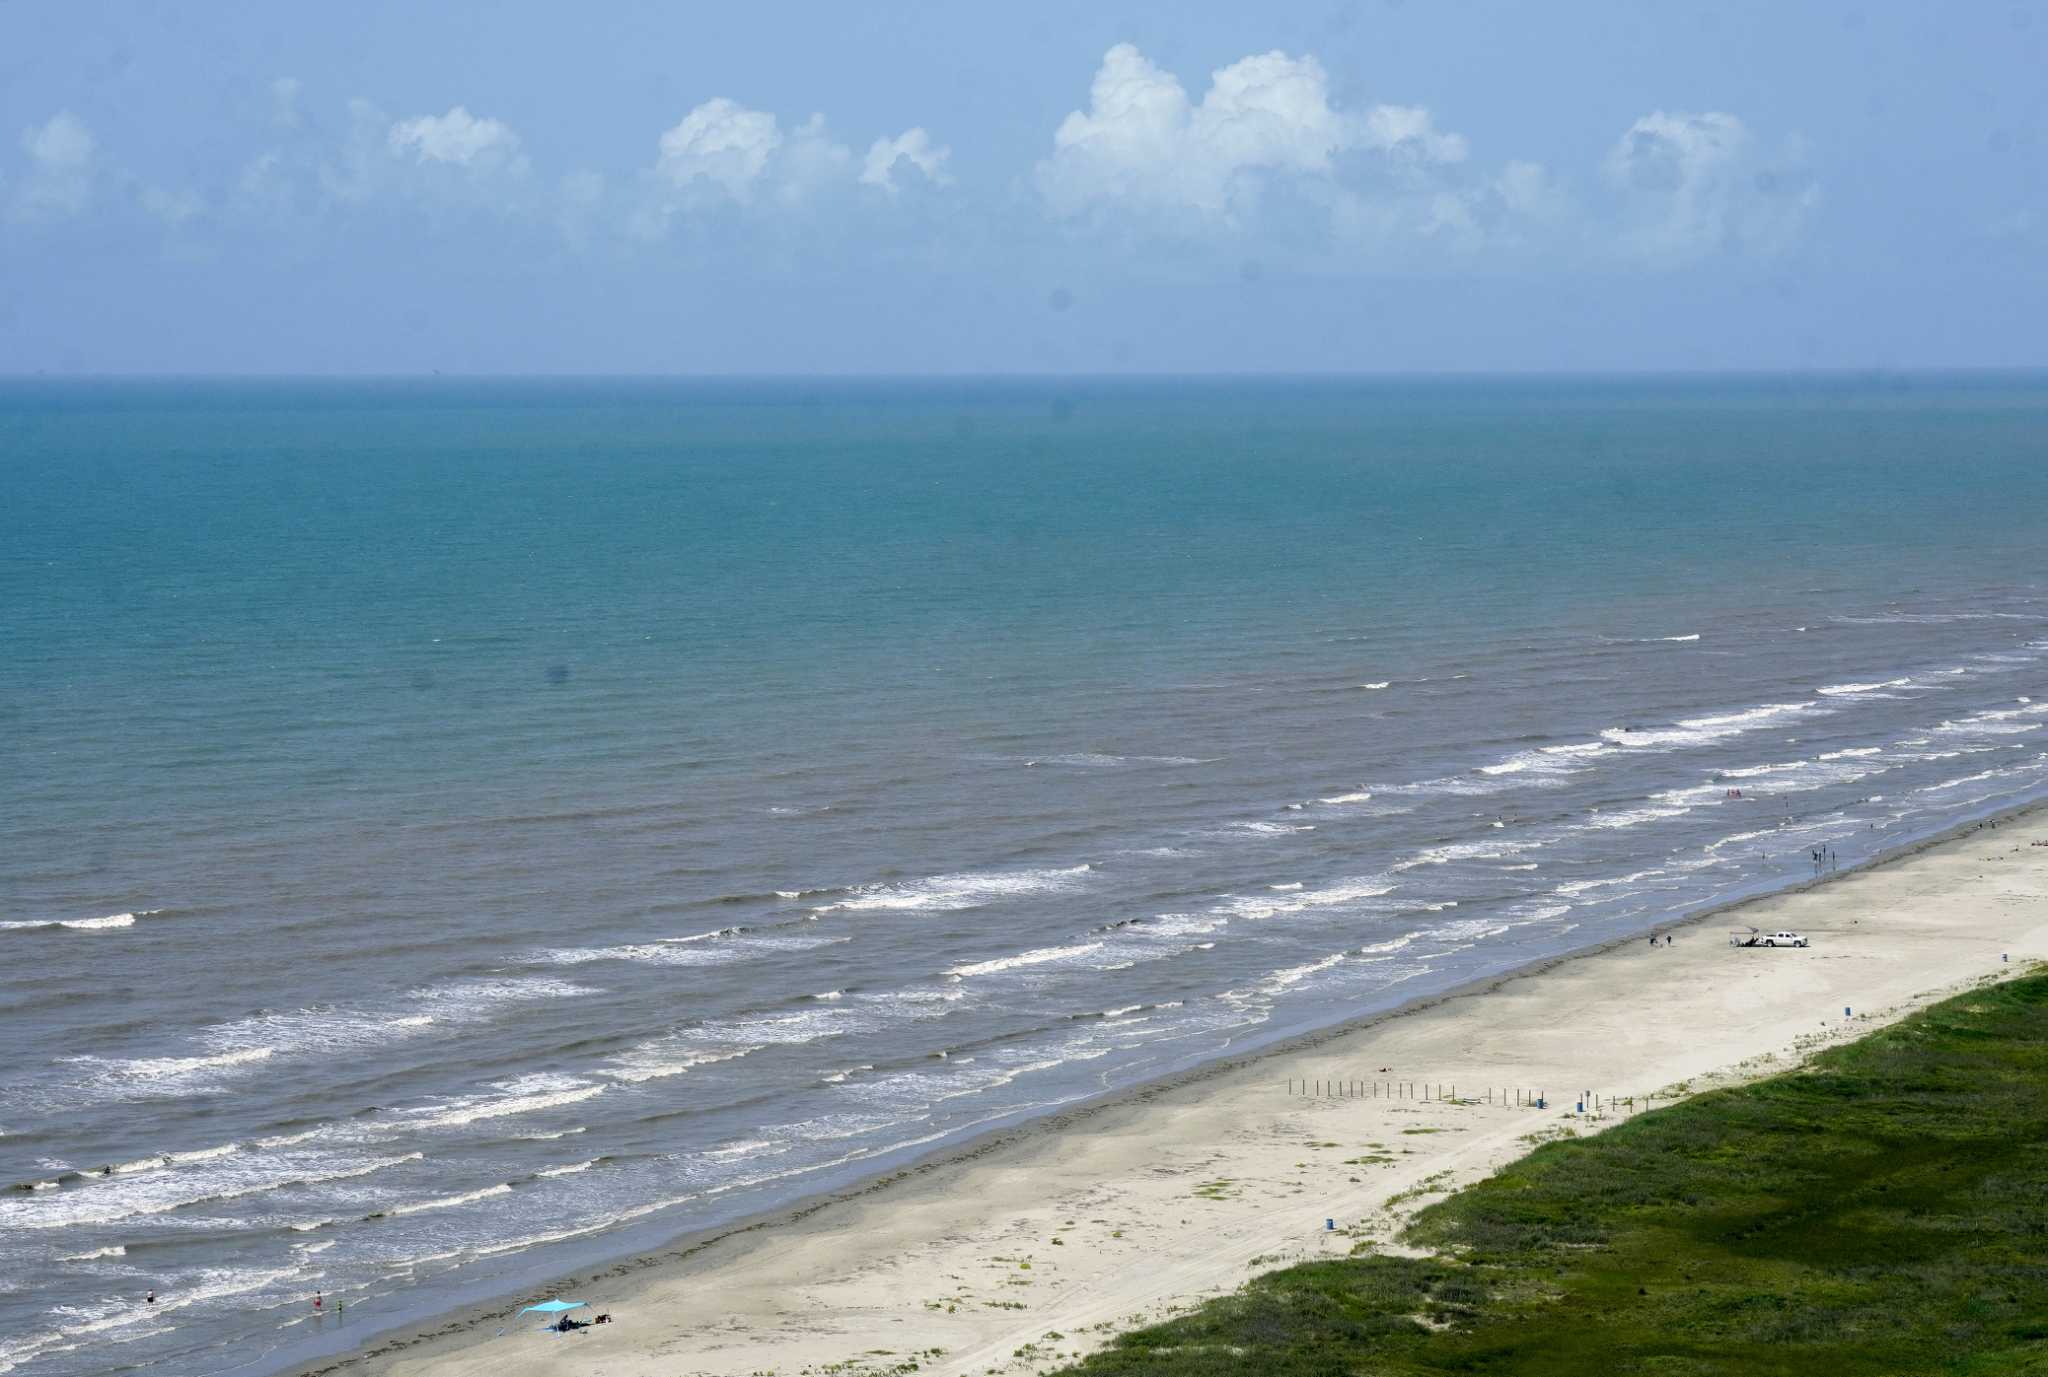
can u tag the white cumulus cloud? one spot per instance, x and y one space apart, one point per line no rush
722 142
725 151
460 139
62 156
1698 184
1264 119
811 159
1409 131
912 146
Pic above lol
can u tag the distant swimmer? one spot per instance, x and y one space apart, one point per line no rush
150 1299
316 1301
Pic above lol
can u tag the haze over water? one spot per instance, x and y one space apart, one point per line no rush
454 831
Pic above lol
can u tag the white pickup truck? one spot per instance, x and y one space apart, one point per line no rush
1752 938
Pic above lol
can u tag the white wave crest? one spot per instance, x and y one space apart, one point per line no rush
236 1047
658 1061
1543 913
571 1169
550 1137
174 1068
108 1200
1996 722
663 953
1582 886
1279 982
941 893
1457 785
176 1159
448 1201
524 1095
1634 817
1467 851
1257 906
108 923
1038 957
1475 929
1546 760
1959 783
1696 731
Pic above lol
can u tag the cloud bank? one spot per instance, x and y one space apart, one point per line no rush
459 139
1263 162
913 147
740 156
1142 142
1697 184
1267 154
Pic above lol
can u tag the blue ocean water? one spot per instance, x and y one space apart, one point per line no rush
450 832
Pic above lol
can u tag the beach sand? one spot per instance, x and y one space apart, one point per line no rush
1042 1243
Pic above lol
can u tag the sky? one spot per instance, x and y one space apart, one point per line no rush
1388 186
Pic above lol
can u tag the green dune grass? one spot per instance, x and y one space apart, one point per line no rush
1882 1210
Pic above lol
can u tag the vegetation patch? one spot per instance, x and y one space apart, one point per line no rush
1883 1211
1426 1186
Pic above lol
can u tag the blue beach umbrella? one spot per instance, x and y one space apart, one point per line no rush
555 1307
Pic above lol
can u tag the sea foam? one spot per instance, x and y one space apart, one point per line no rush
965 890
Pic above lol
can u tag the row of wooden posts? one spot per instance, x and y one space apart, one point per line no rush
1399 1090
1585 1102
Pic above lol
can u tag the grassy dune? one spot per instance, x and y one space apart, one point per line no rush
1883 1210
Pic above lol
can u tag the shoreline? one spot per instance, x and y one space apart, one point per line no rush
695 1255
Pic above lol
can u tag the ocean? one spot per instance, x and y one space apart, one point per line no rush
452 832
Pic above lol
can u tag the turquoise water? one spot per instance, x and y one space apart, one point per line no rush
457 830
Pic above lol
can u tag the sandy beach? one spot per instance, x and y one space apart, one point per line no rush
1042 1243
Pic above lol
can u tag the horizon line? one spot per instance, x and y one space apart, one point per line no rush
1840 373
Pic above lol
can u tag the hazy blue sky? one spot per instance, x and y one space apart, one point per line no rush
514 187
